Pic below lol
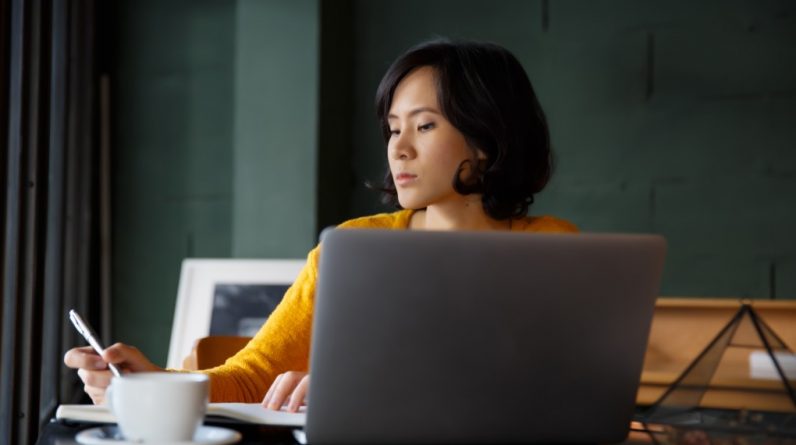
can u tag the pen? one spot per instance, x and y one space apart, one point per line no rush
88 333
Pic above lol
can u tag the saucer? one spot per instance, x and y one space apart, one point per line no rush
110 435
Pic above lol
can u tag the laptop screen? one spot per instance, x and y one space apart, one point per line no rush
479 336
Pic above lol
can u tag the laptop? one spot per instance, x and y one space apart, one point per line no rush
423 336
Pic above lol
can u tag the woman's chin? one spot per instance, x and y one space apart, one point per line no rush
409 204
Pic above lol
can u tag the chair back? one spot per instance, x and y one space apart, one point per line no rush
213 351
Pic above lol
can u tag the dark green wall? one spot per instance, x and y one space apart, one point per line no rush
215 113
243 127
672 117
172 99
276 124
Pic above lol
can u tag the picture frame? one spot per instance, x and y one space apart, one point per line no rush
225 296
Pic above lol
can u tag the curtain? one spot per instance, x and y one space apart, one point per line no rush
50 114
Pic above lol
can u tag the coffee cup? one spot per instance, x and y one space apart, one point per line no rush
159 407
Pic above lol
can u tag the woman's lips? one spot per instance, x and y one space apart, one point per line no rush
405 178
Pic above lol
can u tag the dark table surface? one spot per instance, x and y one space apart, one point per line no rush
63 433
711 428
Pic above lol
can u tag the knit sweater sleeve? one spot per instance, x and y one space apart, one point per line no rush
282 344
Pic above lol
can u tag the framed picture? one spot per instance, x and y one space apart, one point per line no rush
226 297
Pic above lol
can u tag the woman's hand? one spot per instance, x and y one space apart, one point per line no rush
93 368
291 387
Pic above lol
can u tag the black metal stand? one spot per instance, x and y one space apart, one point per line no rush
680 403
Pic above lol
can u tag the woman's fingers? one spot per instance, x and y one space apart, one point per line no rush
97 394
282 388
97 379
129 358
270 394
95 383
299 394
84 358
93 368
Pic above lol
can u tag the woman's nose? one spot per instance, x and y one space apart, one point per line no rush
402 147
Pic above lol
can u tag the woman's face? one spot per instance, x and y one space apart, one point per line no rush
424 149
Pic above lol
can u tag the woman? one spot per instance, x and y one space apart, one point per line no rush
467 147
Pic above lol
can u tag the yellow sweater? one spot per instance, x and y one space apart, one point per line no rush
283 343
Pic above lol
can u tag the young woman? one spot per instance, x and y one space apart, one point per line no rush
467 147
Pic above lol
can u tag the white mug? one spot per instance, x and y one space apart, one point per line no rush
159 406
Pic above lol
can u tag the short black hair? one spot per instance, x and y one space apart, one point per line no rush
485 93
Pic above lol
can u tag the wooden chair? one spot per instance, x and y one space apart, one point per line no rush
209 352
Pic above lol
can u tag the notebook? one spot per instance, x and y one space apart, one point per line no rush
243 412
424 337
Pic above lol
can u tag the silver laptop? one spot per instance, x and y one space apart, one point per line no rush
425 337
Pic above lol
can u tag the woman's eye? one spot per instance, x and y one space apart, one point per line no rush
426 127
394 132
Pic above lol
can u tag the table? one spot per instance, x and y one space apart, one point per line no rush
63 433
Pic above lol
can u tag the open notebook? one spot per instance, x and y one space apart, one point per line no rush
244 412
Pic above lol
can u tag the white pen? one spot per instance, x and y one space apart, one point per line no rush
91 337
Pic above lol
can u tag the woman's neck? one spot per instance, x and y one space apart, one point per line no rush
465 215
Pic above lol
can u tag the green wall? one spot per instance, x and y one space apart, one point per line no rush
276 121
172 97
215 122
241 128
671 117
